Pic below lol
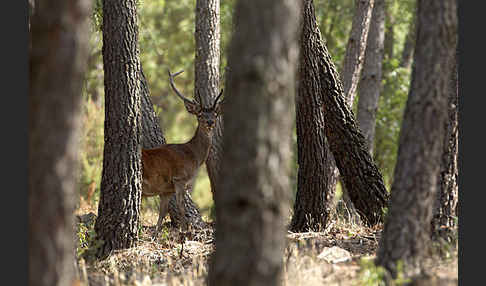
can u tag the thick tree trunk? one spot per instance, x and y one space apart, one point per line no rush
119 206
253 190
207 75
316 180
370 84
407 229
59 49
355 49
360 175
447 189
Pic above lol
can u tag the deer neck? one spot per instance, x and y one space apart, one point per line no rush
200 144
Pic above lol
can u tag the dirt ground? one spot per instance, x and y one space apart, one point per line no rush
341 255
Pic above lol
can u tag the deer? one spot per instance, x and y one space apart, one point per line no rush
170 169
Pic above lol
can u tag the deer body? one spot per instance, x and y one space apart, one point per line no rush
170 169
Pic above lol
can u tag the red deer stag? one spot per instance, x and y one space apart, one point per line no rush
170 168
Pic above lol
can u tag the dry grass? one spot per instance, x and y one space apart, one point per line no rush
166 261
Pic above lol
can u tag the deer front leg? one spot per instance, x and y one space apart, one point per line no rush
163 209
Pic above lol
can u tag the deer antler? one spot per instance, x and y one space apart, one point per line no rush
217 98
171 80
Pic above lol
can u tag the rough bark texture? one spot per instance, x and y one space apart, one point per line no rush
370 84
152 135
59 37
316 180
253 195
447 188
120 195
207 75
407 228
361 177
355 49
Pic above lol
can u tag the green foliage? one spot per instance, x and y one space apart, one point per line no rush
87 242
389 115
92 142
372 275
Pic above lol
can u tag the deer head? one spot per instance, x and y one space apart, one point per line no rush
206 116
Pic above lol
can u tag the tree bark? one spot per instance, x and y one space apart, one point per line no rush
316 179
370 84
361 177
119 206
207 75
59 37
409 46
253 190
407 229
355 49
445 205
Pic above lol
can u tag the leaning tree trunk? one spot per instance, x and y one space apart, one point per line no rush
407 229
253 190
316 179
207 75
119 206
361 177
445 215
370 85
152 137
59 48
355 49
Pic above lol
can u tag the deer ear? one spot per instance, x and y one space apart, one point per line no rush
191 107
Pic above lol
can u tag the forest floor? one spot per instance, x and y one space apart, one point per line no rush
342 255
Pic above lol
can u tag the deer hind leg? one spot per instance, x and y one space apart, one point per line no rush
163 209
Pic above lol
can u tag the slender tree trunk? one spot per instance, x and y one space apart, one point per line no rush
409 46
389 41
253 190
119 206
355 49
370 85
445 204
407 229
59 48
207 75
316 180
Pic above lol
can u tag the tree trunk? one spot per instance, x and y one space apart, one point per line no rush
59 48
207 75
407 229
119 206
316 180
409 46
361 177
446 202
370 85
253 190
152 135
389 40
355 49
